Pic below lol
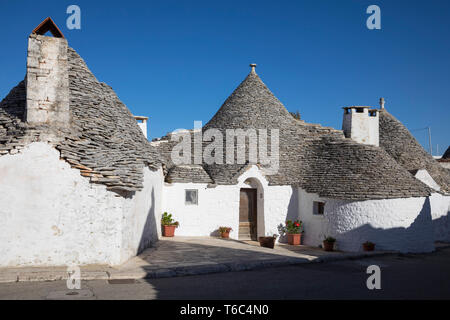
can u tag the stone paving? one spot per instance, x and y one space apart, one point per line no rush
180 256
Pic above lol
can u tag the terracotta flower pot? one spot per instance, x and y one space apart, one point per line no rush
328 246
368 246
294 239
225 235
267 242
169 231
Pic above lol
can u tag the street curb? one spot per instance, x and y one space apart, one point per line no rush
148 272
180 271
208 268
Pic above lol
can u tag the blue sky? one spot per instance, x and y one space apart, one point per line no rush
177 61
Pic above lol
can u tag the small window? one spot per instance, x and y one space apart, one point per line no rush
191 197
318 208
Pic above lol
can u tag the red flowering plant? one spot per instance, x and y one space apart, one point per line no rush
293 227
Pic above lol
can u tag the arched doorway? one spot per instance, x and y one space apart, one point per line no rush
251 210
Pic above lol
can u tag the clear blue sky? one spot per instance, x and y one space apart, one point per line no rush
177 61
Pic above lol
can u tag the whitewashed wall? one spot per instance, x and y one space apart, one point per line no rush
216 207
141 220
219 206
393 224
315 226
440 212
52 216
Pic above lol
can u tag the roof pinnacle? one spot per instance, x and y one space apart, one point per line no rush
382 101
253 66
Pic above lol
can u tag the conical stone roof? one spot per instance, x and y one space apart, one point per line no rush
401 145
251 105
318 159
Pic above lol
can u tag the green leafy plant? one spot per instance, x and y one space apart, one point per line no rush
330 239
225 229
167 220
293 227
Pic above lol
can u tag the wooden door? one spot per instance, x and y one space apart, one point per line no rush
248 215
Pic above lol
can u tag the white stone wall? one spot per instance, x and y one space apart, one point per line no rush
219 206
393 224
315 226
425 177
216 207
440 212
141 218
53 216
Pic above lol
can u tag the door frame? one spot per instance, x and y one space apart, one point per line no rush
253 216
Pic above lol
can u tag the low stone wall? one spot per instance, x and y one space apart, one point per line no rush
53 216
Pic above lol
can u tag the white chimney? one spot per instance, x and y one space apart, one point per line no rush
142 123
361 123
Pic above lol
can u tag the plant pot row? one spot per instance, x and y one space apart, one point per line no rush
169 226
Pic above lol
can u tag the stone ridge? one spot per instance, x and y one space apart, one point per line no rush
188 173
318 159
404 148
104 141
12 113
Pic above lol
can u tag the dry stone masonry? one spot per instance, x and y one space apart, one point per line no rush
404 148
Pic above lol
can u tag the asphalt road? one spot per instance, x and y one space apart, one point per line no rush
423 276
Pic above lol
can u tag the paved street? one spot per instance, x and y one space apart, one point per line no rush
424 276
181 256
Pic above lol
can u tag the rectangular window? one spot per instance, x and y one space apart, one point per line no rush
318 208
191 197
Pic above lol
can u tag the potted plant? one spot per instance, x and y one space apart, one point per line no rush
294 231
328 243
267 242
225 232
168 225
368 246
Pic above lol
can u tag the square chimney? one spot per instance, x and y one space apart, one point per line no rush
47 81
